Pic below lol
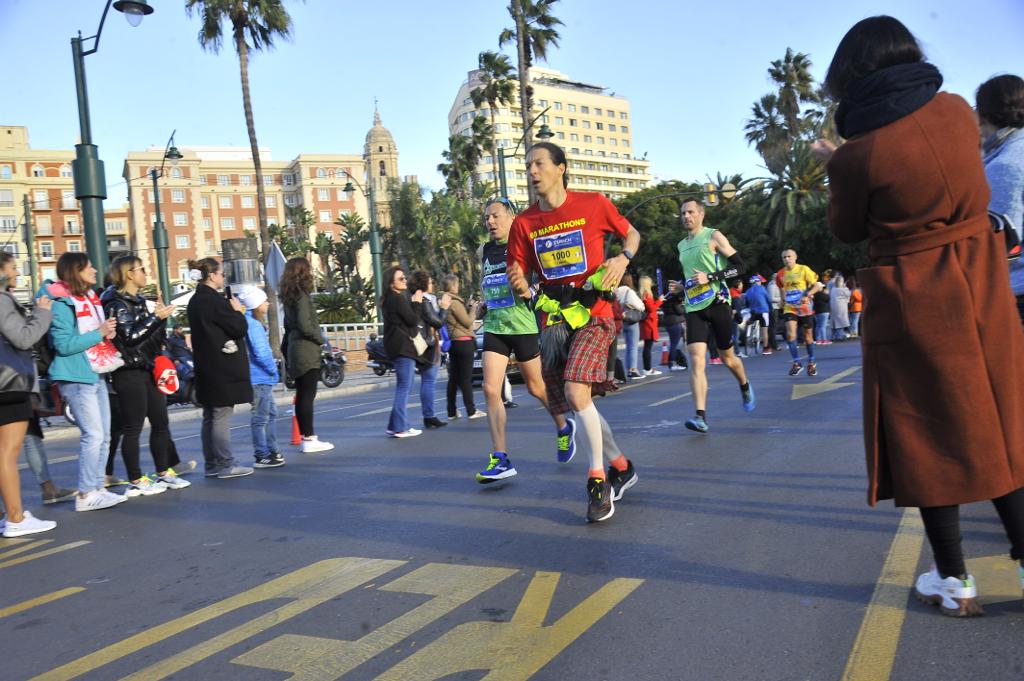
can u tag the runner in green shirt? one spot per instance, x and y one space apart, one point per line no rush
510 326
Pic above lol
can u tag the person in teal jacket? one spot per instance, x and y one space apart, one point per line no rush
79 335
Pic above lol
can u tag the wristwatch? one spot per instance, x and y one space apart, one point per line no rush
628 253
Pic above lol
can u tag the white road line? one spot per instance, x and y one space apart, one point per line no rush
671 399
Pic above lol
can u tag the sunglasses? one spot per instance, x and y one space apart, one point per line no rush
134 269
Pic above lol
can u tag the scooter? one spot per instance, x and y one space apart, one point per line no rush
186 383
332 368
377 357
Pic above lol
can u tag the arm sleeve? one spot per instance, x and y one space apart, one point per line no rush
848 192
233 323
64 332
633 300
651 304
21 331
404 309
735 266
519 247
614 222
1006 181
130 332
308 326
260 344
458 313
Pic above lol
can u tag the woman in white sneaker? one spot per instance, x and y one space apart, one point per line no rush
303 340
80 335
18 333
401 316
649 325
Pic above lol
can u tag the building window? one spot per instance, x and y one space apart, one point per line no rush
181 242
289 200
588 152
71 226
227 223
572 122
205 201
625 143
248 201
209 245
599 125
597 111
114 226
67 199
611 114
202 179
5 172
572 108
612 141
65 170
383 170
43 226
245 180
342 214
224 201
587 139
207 224
558 106
342 194
323 194
271 201
8 224
248 222
177 196
624 130
574 150
289 179
543 103
586 124
41 199
325 216
600 140
180 219
224 180
321 172
560 135
7 198
46 250
74 247
623 115
176 173
585 109
268 179
38 171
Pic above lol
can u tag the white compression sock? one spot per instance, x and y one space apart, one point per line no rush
590 419
611 450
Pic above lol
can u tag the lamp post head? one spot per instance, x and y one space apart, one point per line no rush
348 188
133 10
545 132
173 155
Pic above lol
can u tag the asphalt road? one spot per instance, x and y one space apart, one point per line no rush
746 553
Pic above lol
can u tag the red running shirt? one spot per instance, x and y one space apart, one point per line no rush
566 245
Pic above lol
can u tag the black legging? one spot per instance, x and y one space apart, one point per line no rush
305 393
460 375
139 400
648 344
942 525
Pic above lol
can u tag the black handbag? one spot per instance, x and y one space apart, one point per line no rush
17 373
631 315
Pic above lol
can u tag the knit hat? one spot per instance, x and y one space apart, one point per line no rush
251 297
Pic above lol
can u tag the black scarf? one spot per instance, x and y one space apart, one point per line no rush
885 96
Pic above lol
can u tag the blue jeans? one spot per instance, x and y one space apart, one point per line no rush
91 407
263 421
35 455
428 377
631 334
675 353
855 322
399 420
821 326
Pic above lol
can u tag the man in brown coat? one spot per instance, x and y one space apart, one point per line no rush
942 421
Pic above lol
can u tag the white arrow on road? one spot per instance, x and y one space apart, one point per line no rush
802 390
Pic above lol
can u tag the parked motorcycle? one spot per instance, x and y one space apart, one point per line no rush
186 383
377 357
332 368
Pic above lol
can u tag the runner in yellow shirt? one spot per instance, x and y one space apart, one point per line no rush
798 284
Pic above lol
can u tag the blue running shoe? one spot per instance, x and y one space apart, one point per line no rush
749 401
498 468
698 424
567 442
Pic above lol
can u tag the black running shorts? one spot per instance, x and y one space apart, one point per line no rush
714 320
526 346
802 321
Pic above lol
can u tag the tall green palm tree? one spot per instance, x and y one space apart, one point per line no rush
792 74
482 135
496 87
795 191
534 31
255 24
324 248
766 130
460 161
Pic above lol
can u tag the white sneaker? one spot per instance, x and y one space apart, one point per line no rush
478 414
97 499
652 372
412 432
676 367
955 597
172 481
28 525
145 488
116 498
313 444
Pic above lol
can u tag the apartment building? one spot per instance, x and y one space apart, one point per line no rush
593 125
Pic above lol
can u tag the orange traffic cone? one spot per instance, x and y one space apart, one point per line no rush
664 353
296 435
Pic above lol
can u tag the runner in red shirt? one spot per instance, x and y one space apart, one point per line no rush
561 239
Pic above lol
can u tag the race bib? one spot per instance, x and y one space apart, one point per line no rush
497 293
561 255
793 296
697 293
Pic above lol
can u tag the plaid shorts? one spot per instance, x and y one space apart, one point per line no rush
587 362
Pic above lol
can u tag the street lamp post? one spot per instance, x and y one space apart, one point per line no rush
544 133
90 182
375 245
160 241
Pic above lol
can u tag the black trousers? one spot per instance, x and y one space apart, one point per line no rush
942 525
305 393
648 345
139 399
460 375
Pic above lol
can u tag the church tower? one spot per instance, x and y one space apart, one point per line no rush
381 156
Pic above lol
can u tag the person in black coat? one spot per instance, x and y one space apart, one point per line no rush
402 323
433 315
222 380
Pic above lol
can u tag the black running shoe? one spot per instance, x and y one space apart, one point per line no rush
620 481
599 500
269 461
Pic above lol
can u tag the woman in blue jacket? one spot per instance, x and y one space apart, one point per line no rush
80 336
264 375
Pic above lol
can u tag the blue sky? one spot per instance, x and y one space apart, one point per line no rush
691 71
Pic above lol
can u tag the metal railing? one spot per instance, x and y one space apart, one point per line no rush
350 337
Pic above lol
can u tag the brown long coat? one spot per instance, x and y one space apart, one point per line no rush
942 341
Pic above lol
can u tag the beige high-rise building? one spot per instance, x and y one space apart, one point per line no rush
593 126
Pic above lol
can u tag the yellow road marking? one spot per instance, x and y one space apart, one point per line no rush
42 554
802 390
874 651
996 577
30 544
39 600
671 399
307 588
